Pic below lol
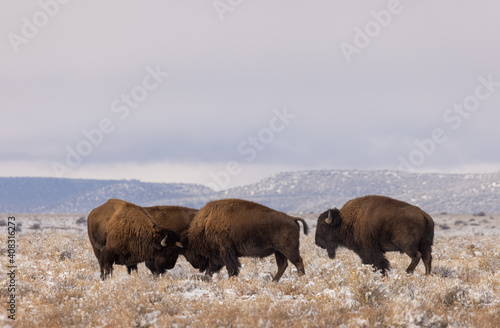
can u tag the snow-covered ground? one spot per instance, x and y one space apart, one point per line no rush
57 284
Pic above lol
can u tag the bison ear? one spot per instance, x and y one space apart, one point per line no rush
337 220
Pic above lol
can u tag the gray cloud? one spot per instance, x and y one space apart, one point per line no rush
226 77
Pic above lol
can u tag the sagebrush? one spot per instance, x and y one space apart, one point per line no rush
58 285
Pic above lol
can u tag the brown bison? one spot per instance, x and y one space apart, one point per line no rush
373 225
127 234
225 230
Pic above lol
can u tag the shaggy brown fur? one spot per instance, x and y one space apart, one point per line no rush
126 234
373 225
226 229
175 218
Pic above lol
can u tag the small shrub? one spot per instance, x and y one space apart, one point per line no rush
81 220
456 294
65 255
444 272
489 262
3 223
36 226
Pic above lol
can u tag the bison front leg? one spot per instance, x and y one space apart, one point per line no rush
378 260
232 264
383 264
213 268
131 268
282 263
150 264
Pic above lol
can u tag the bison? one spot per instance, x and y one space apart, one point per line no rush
225 230
127 234
372 225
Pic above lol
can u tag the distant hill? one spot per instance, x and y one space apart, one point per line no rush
293 192
58 195
315 191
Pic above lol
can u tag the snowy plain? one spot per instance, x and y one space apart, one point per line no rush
58 284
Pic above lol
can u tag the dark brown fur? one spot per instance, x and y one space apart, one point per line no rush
373 225
226 229
127 234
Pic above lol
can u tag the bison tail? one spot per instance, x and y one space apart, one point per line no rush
430 235
430 228
306 227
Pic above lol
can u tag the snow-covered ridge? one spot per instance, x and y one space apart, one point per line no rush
293 192
315 191
55 195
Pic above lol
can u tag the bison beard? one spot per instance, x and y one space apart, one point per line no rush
373 225
225 230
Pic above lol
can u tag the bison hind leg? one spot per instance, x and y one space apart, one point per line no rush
426 251
292 253
99 259
299 264
282 263
106 261
427 259
415 258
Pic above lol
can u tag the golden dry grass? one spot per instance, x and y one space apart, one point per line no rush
58 286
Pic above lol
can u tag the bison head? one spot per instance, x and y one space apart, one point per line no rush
181 245
327 231
165 257
165 260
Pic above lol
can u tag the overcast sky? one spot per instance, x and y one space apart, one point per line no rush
225 93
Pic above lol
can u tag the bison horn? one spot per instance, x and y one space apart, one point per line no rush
179 244
329 219
164 241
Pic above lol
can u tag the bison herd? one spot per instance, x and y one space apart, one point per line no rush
224 230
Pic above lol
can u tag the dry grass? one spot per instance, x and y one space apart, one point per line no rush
58 285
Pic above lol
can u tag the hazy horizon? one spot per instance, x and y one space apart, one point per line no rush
239 91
